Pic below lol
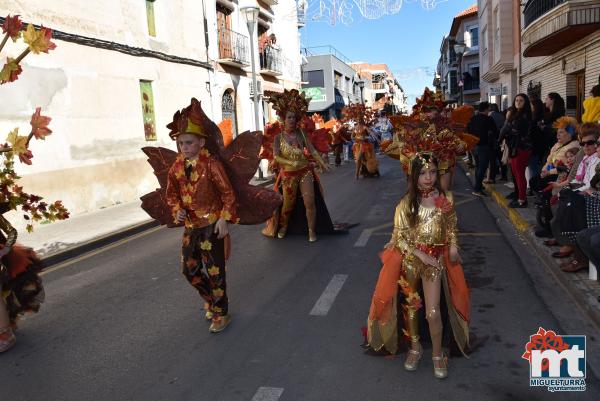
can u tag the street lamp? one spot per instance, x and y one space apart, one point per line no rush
250 10
361 86
459 49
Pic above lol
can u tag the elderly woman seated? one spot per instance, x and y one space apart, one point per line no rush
579 205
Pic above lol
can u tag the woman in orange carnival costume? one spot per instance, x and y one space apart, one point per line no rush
421 257
363 149
296 159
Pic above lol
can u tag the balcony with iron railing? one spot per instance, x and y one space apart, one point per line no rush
271 61
552 25
534 9
233 48
472 85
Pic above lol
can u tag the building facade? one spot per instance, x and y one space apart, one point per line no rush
330 81
560 49
277 59
457 75
499 51
382 91
117 75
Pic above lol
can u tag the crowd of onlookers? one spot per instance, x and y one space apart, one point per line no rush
553 159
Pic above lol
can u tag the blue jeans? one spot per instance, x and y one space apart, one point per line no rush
535 165
483 153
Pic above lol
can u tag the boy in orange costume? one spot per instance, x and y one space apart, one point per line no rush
201 196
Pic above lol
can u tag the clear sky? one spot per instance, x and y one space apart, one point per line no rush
408 42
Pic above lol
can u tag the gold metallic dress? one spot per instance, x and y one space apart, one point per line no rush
434 230
434 233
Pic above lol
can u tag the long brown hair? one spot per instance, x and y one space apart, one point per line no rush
414 197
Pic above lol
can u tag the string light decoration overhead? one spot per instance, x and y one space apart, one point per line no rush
342 11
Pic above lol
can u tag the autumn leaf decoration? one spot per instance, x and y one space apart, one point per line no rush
33 207
37 40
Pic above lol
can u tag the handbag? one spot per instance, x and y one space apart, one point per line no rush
571 214
505 152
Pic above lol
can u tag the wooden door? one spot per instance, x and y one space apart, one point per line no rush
224 29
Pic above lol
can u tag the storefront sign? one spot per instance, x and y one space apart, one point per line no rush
315 94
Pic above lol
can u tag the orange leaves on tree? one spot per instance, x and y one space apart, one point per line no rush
10 72
12 27
39 41
39 124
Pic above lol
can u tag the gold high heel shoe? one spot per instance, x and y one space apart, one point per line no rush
312 236
440 373
281 233
413 358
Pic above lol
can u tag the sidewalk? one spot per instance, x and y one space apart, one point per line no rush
63 239
579 286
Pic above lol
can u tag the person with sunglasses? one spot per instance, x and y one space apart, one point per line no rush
585 172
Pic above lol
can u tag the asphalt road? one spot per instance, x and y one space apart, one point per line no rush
123 324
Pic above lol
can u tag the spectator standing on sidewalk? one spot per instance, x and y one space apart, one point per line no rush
591 105
519 144
496 159
555 109
483 127
539 143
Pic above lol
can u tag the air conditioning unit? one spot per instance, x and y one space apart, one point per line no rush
260 88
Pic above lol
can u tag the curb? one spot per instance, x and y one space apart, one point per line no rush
87 246
549 264
109 238
518 221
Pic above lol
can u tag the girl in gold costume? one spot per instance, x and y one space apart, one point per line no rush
296 159
422 256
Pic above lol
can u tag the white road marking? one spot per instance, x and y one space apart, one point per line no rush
366 234
326 300
267 394
364 238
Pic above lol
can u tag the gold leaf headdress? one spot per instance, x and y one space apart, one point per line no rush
290 100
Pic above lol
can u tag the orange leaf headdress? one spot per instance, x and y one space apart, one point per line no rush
428 102
357 112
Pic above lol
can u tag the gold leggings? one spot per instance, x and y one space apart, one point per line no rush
290 188
417 273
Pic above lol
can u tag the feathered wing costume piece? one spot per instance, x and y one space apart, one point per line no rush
318 137
241 158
